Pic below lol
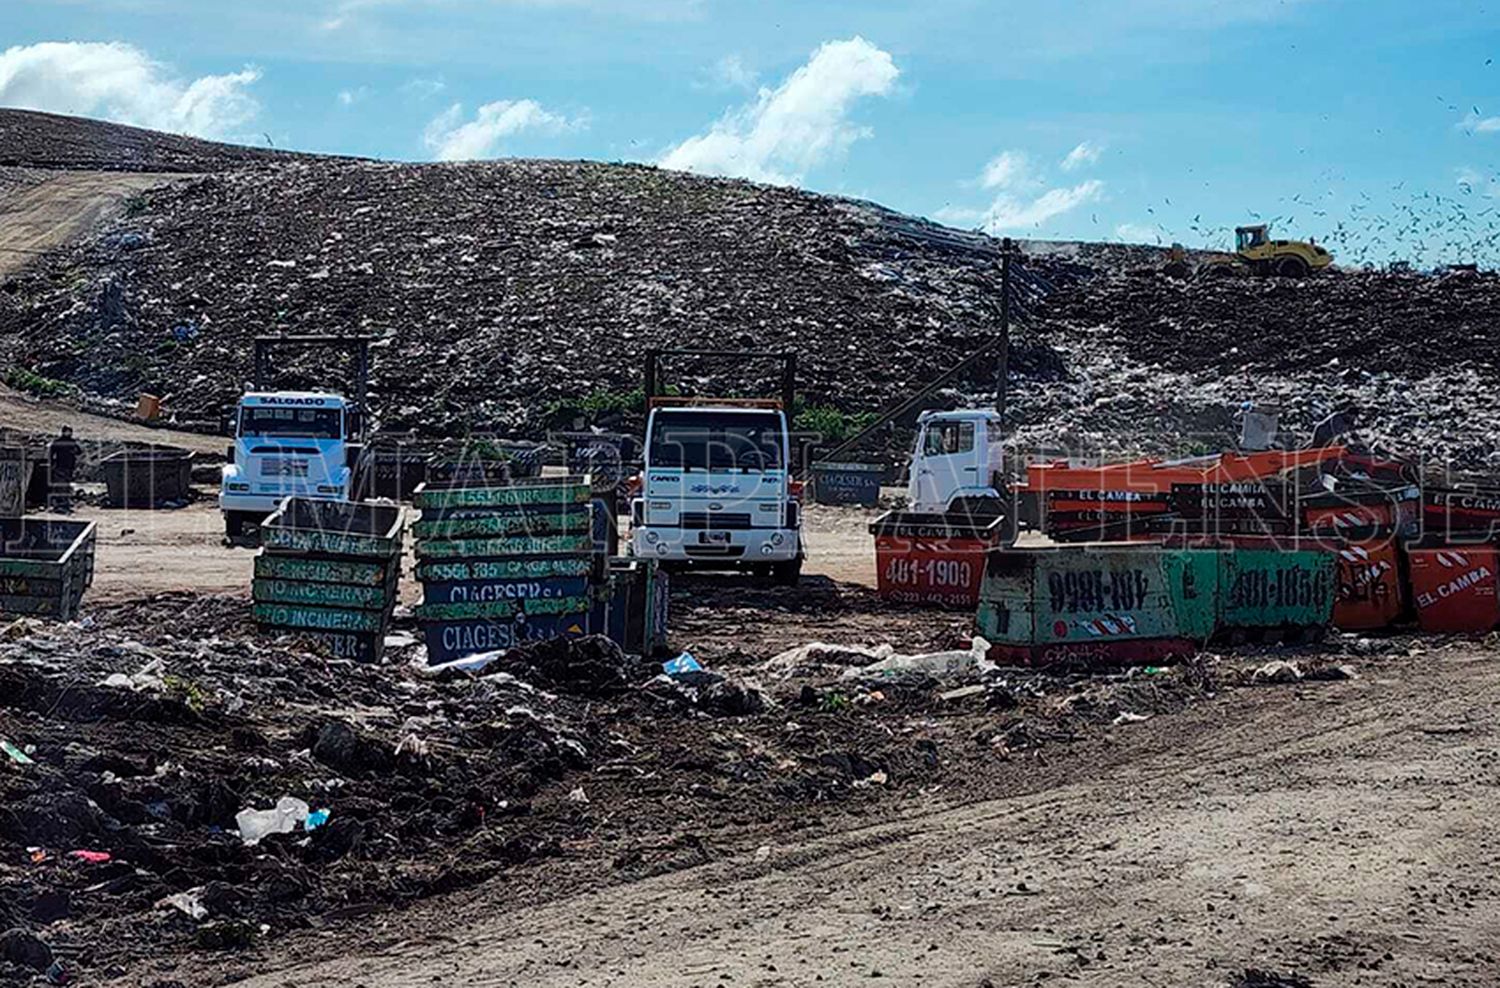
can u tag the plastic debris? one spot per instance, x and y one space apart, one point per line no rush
1278 671
255 825
683 663
189 903
1126 717
316 819
578 795
940 664
15 754
148 678
91 857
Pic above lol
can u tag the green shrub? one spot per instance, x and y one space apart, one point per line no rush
35 384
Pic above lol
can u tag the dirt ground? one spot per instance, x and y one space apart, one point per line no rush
1338 832
57 210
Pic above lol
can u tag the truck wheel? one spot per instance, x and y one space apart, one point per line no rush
234 524
788 573
1292 267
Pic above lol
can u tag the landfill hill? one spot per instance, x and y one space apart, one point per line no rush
512 296
31 139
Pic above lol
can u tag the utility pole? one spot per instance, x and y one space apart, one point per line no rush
1001 375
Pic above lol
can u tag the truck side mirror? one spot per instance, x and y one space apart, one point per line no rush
229 453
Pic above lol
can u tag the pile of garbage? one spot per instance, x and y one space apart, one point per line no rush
510 296
171 782
1161 365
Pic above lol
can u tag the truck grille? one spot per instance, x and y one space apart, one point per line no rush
283 468
717 520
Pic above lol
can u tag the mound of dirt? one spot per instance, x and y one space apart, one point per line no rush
30 139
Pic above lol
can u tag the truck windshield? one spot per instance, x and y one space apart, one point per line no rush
715 441
302 423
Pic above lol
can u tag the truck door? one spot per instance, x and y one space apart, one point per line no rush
948 463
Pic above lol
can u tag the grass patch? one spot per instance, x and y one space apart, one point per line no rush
33 383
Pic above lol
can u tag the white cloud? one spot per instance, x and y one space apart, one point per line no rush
122 83
731 72
1475 124
348 97
1022 197
1086 153
797 126
423 88
1137 233
452 138
1010 212
1006 170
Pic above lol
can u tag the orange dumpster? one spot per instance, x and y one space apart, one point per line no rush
1371 593
1454 587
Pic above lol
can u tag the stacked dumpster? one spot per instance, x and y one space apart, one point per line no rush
1452 569
1119 604
330 571
45 566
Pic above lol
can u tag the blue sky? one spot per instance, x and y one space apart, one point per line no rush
1143 120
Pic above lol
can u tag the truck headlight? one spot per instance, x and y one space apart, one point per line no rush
652 537
765 550
238 488
777 539
661 550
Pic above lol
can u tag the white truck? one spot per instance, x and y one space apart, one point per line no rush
293 443
288 443
959 462
716 492
717 489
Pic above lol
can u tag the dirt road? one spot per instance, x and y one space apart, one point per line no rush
59 209
1340 831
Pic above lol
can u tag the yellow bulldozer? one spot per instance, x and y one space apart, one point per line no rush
1255 253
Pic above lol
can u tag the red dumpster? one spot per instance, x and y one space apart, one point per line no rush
1371 593
936 559
1454 588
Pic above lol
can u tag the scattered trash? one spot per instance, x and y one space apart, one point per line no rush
577 795
475 663
255 825
962 692
949 664
1278 671
316 819
189 903
15 754
1330 673
1126 717
91 857
876 778
148 678
683 663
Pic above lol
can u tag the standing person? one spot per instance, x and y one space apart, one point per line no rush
62 461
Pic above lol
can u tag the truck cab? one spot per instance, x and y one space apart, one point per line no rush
959 460
716 491
288 443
